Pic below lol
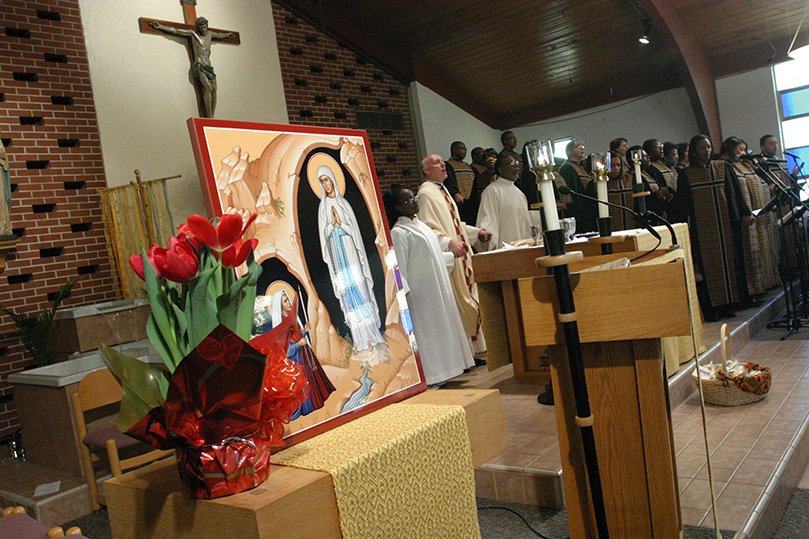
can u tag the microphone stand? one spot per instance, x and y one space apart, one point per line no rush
557 262
780 164
642 218
792 322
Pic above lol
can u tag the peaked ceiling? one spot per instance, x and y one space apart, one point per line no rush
513 63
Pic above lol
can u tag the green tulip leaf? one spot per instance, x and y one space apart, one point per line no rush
200 309
167 350
236 305
144 385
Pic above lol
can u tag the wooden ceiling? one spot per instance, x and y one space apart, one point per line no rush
513 63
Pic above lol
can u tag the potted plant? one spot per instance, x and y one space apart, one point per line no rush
34 330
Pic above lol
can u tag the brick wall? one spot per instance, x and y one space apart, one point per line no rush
326 83
48 125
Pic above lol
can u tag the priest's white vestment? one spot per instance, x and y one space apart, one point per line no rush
504 212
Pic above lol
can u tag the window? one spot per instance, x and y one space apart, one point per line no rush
794 102
559 146
792 88
802 155
791 74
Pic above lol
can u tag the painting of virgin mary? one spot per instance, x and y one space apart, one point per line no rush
345 256
323 240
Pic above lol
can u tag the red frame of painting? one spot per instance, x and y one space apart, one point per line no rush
196 127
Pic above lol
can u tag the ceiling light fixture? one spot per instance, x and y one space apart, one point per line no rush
647 27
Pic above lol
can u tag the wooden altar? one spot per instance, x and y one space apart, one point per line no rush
497 272
293 503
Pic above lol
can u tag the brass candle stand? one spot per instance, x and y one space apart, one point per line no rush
606 239
557 262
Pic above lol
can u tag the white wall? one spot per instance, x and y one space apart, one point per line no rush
747 106
143 95
438 123
666 116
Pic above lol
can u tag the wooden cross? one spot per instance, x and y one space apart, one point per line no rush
199 49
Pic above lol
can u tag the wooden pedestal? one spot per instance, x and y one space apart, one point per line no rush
497 272
49 431
622 314
150 503
633 436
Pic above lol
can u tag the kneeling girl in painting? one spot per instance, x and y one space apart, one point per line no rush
300 351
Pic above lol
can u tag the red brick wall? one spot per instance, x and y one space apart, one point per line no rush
44 40
325 83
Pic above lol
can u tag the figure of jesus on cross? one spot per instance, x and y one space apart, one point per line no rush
200 39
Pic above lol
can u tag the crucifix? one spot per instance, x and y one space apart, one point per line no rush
200 37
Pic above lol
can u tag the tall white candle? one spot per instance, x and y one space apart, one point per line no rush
601 191
549 205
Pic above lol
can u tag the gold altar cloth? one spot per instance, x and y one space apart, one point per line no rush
402 471
677 350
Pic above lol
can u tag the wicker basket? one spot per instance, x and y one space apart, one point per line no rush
724 392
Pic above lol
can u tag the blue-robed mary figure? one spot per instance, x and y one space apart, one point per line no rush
344 254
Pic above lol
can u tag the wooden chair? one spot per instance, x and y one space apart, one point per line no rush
97 390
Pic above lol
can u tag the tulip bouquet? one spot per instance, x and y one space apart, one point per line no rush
192 286
220 401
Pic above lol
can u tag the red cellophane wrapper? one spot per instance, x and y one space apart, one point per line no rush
226 406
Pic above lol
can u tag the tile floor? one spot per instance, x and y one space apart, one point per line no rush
749 444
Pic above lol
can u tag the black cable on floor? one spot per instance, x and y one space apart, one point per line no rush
521 518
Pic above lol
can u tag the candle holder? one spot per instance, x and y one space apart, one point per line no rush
637 187
600 166
540 160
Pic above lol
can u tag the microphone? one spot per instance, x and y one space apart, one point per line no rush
642 218
793 156
752 156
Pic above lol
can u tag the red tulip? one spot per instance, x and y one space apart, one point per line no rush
235 255
228 230
178 263
195 243
136 261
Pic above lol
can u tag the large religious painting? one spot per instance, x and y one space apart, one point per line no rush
329 273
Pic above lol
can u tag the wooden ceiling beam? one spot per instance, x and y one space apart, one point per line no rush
692 64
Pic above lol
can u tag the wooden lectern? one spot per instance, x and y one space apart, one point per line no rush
622 314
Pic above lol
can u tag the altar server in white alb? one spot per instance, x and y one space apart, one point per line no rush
503 206
443 345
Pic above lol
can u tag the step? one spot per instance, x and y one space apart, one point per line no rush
18 481
531 472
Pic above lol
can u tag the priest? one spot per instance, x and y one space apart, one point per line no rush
440 213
